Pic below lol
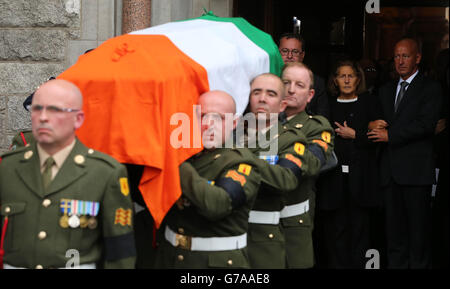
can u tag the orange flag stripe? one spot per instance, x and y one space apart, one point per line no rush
132 85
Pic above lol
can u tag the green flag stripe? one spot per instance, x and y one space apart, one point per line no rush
259 37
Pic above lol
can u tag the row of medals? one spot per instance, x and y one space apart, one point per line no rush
74 221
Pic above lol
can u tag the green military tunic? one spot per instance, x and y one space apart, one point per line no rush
218 189
22 139
298 226
90 186
280 174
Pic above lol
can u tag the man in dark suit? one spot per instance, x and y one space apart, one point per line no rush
410 110
292 49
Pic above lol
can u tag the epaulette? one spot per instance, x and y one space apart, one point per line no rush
13 152
240 151
320 119
103 157
244 153
298 125
231 152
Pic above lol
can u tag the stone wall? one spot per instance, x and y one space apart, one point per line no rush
33 47
42 38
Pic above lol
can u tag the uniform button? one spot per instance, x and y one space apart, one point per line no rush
300 221
7 210
180 257
28 155
79 159
46 203
39 267
270 236
285 127
230 262
181 230
42 235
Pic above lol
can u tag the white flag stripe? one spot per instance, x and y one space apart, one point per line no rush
229 57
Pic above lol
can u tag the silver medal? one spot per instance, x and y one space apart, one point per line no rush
74 221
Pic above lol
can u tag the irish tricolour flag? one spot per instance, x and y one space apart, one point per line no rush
133 85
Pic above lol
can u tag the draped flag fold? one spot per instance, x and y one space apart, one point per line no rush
134 84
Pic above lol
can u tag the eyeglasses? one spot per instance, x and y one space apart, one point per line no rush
294 52
51 109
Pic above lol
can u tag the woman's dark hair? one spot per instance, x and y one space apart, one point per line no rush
333 87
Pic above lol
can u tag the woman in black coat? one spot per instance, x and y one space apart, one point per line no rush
346 193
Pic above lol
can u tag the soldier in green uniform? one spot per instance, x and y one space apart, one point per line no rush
298 214
62 204
207 227
21 139
25 137
283 163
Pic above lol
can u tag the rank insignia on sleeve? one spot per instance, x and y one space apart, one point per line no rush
299 148
326 136
245 169
236 177
293 159
321 143
211 183
123 217
124 186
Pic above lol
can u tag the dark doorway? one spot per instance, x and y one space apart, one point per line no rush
428 24
330 28
335 29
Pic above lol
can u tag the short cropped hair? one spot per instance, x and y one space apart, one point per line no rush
300 65
416 42
271 75
290 35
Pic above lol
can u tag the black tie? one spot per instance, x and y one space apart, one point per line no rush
401 93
